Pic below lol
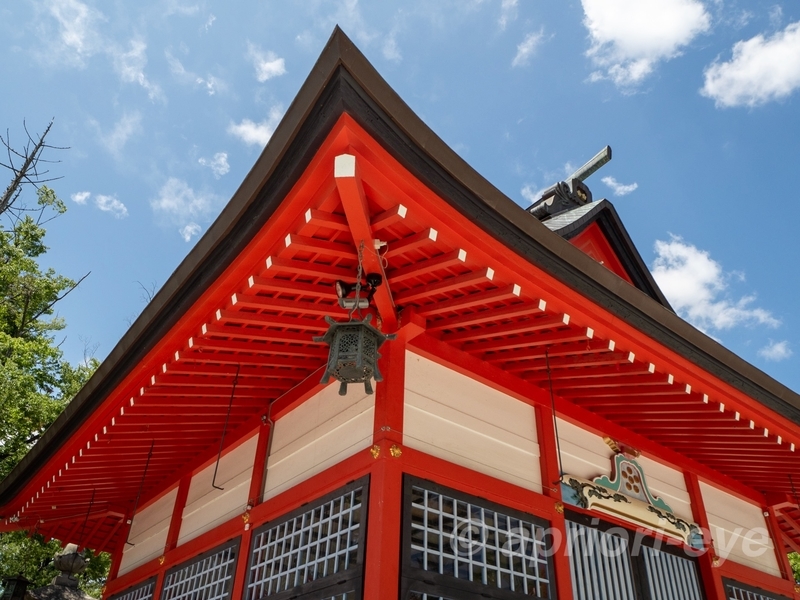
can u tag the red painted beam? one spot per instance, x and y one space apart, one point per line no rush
321 218
389 217
257 283
523 326
457 283
217 360
428 265
415 241
489 315
281 350
297 307
356 209
298 243
323 272
267 320
251 333
588 372
571 354
644 380
709 574
529 341
469 300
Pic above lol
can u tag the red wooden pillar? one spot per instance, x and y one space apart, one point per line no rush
240 577
255 497
116 555
712 580
551 487
175 522
159 585
382 568
777 541
258 478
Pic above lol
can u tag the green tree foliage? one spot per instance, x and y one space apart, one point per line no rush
36 382
31 555
794 560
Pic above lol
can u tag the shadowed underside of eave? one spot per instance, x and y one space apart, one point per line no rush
250 299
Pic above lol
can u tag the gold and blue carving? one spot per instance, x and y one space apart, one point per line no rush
628 479
626 495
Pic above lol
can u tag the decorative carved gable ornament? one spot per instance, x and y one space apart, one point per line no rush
627 496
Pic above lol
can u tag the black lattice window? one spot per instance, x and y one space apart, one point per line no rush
306 552
141 591
615 563
739 591
460 546
208 576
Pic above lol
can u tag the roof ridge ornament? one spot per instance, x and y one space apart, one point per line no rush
570 193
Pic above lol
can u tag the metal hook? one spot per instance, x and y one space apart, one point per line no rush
225 429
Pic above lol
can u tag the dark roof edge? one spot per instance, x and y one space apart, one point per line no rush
606 216
176 295
469 192
526 235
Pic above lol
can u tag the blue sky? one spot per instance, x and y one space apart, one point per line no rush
166 105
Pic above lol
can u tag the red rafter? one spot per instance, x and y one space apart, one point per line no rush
354 202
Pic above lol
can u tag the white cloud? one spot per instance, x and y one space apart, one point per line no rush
218 164
696 285
267 64
174 7
180 205
508 12
526 48
776 351
348 16
80 197
177 68
532 194
209 22
776 15
257 134
76 38
391 51
112 205
130 65
189 231
211 84
619 189
128 125
761 70
629 37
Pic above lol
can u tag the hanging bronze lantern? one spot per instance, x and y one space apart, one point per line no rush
354 355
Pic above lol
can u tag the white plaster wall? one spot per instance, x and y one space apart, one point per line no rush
458 419
148 533
207 507
739 530
319 433
583 454
670 485
586 455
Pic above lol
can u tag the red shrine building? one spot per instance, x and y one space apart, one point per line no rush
542 423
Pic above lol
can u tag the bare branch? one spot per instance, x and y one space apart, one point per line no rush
29 172
60 297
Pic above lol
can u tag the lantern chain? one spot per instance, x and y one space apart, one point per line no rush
356 306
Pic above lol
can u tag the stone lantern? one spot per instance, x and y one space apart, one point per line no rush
65 585
14 587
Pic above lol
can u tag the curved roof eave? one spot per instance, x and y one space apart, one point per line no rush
363 93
